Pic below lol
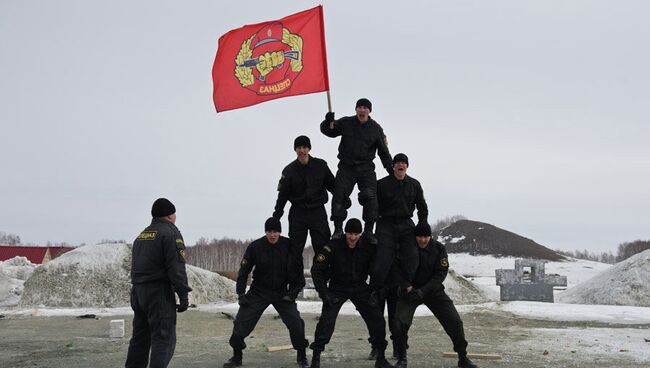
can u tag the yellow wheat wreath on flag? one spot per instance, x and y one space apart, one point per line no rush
267 61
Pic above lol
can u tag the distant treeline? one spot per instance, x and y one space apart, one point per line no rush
625 251
225 254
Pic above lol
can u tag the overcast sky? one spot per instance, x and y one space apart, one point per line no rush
532 116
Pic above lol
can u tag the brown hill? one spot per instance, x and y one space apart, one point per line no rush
466 236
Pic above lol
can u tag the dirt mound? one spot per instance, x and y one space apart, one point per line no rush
625 283
99 276
462 290
466 236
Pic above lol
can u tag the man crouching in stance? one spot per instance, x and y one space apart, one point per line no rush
277 280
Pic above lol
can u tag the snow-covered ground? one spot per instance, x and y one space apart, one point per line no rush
479 269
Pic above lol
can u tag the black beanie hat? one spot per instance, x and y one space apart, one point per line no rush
400 157
162 207
353 226
423 229
302 140
364 102
273 224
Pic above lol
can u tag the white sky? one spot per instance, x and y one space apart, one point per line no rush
529 115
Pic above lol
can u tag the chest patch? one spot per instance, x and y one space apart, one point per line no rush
147 235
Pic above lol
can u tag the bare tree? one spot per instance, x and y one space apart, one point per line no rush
628 249
9 239
446 221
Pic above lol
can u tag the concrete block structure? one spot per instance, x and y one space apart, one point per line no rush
528 281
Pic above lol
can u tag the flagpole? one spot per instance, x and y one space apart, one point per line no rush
329 102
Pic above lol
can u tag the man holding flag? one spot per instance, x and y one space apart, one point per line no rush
361 138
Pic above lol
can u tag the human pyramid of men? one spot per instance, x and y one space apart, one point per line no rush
405 266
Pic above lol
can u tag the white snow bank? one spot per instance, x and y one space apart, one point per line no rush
17 268
462 290
10 290
99 276
626 283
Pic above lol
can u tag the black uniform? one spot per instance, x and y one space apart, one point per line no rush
359 143
277 280
157 271
431 272
397 200
346 269
306 186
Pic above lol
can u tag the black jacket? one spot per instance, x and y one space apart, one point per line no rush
359 142
305 186
345 268
158 254
431 272
277 269
399 198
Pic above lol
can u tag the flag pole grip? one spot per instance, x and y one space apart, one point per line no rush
329 102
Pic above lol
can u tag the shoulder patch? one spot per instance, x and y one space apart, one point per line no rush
243 262
320 258
180 241
444 262
148 235
181 252
327 248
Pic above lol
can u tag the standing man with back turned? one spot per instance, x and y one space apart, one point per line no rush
361 139
157 272
305 183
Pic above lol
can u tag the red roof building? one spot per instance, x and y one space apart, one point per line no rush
36 255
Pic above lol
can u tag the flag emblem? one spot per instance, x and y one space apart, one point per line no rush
269 60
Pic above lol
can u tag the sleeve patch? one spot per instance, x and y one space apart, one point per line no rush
327 248
444 262
147 235
321 258
244 262
180 241
181 252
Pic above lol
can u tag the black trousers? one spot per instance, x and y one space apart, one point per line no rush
248 316
154 326
346 177
373 318
396 241
443 309
312 220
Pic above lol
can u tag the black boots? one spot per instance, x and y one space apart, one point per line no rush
235 361
373 353
401 360
301 359
338 230
464 362
315 359
367 233
381 361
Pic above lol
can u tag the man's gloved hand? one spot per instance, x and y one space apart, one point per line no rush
183 304
330 301
243 300
416 295
329 117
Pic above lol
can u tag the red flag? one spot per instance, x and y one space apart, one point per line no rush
269 60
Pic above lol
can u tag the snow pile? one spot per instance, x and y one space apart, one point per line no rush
13 273
17 268
626 283
99 276
463 291
10 290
